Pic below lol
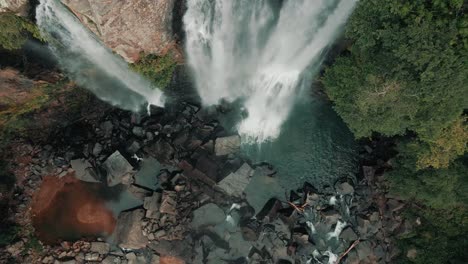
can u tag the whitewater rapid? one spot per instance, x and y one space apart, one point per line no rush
89 63
261 52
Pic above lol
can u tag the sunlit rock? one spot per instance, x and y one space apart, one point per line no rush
117 168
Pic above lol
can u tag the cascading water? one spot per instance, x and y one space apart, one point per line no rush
258 51
89 63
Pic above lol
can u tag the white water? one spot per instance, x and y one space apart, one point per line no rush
90 63
259 51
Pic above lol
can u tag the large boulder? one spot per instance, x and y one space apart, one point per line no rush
235 183
227 145
117 168
84 171
19 7
128 232
128 27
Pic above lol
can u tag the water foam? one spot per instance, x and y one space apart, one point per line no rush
90 63
258 51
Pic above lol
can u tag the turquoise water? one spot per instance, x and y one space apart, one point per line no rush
314 146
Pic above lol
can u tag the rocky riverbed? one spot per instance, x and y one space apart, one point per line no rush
186 179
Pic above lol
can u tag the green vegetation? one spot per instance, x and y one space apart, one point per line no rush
406 76
15 31
157 69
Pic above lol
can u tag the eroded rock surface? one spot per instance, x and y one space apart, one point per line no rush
128 27
19 7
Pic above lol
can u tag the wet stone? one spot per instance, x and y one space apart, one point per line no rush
100 247
227 145
117 168
208 215
168 203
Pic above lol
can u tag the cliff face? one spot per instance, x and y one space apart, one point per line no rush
128 27
19 7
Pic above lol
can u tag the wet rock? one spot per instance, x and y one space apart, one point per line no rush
134 147
235 183
161 150
208 166
344 188
207 215
138 131
270 209
83 170
139 192
250 229
227 145
369 172
97 149
348 234
128 230
152 204
107 127
100 247
117 168
168 203
132 258
65 262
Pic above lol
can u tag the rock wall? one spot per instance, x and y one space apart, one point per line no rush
19 7
128 27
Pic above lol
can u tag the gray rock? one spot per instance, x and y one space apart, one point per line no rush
83 170
139 132
128 231
117 168
138 192
134 147
348 234
65 262
91 256
107 128
235 183
100 247
207 215
97 149
344 188
227 145
152 204
110 259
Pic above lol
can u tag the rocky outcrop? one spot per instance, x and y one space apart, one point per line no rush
128 27
19 7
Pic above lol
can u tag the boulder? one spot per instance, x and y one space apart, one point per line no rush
168 203
138 192
208 215
152 204
227 145
83 170
19 7
100 247
117 168
235 183
128 27
128 231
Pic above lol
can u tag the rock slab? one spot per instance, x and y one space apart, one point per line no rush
117 168
235 183
128 231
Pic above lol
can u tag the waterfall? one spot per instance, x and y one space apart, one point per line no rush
261 52
89 63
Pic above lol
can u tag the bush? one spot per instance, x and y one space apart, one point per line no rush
15 31
157 69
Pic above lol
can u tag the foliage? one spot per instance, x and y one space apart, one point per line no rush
451 143
407 68
440 237
158 69
437 188
15 31
8 233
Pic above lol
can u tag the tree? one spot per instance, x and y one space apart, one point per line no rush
406 70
